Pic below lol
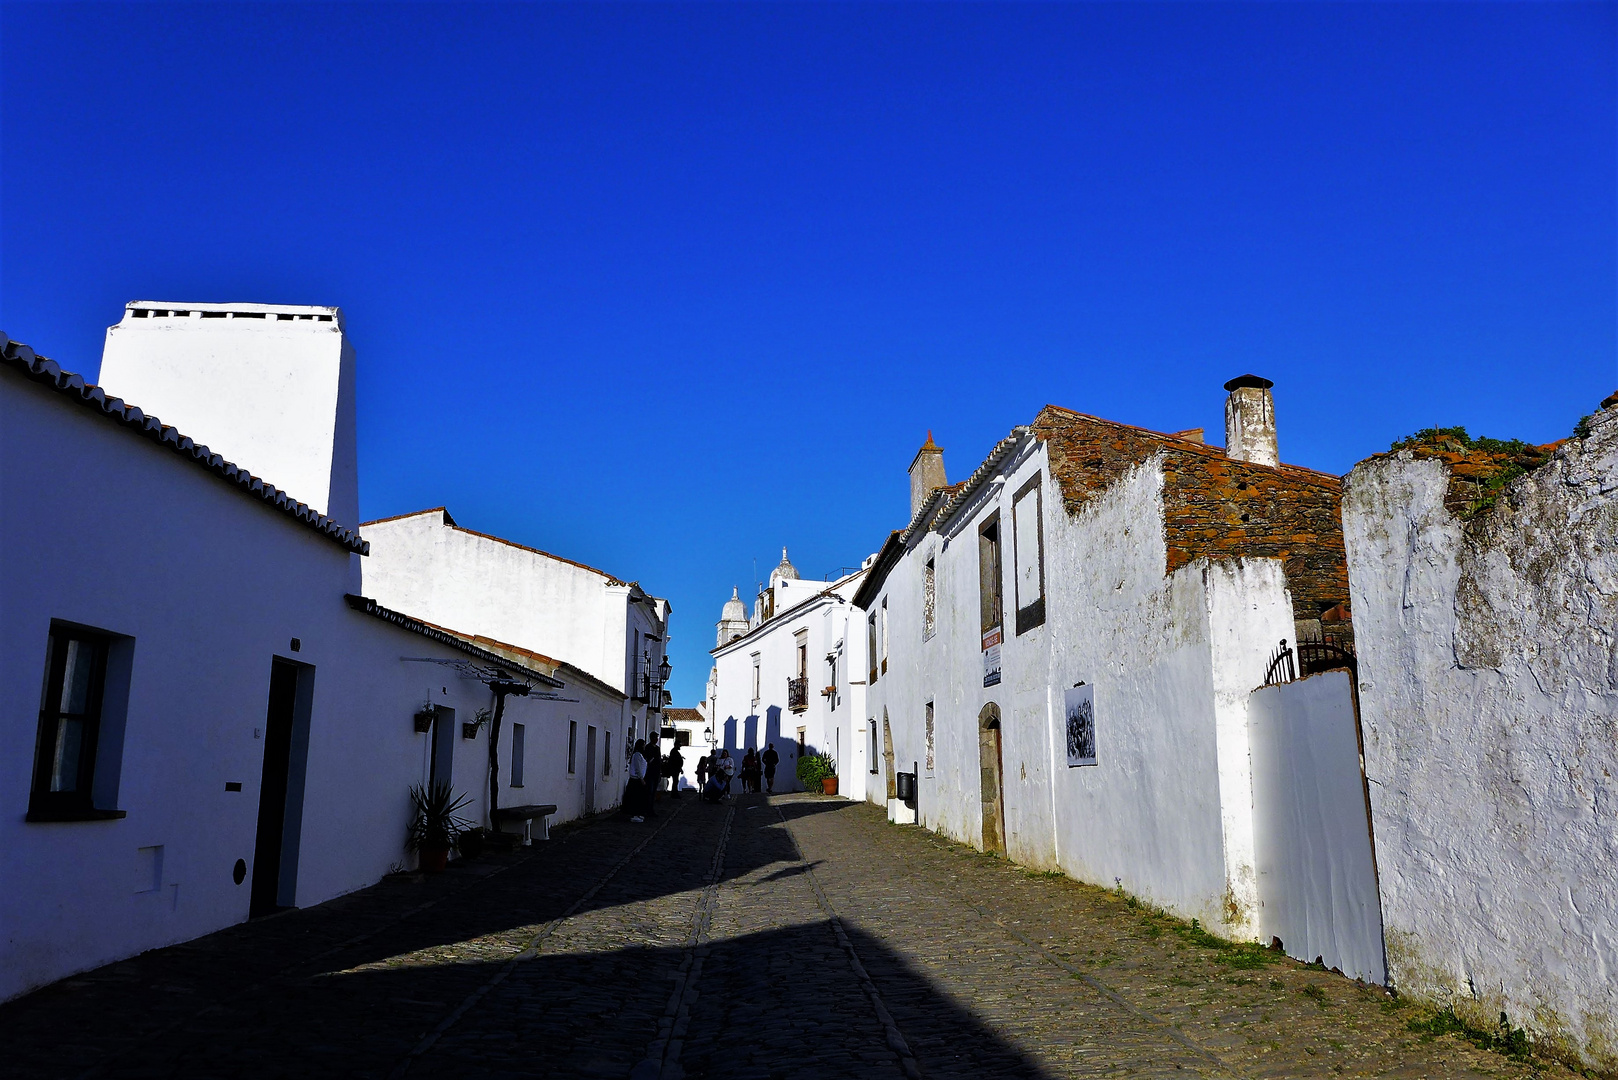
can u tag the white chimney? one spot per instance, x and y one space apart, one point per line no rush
269 387
1250 421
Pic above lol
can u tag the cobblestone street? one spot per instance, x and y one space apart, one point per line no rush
799 937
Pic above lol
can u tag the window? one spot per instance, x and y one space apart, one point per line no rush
801 647
870 727
989 588
1029 554
929 738
870 643
802 745
80 745
929 598
517 734
572 746
882 626
606 752
756 683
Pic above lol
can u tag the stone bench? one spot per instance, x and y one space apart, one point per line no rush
526 815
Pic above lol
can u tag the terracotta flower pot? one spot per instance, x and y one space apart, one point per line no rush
829 785
434 859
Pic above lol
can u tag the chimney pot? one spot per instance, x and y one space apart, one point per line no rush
1250 421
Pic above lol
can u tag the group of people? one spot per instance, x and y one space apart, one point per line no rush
648 767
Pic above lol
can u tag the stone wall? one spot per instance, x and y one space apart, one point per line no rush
1215 507
1489 693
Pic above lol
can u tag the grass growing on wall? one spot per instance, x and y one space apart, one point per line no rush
1480 467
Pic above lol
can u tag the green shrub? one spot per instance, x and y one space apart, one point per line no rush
813 768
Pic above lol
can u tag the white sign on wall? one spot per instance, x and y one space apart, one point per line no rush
991 657
1080 709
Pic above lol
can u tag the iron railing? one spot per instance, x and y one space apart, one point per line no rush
1309 658
798 694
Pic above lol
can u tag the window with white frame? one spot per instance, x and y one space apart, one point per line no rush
871 752
757 682
572 746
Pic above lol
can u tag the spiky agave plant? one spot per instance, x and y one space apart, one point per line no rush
435 823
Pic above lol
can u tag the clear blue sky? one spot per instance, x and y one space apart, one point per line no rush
661 288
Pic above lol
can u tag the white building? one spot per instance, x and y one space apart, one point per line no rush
224 727
428 565
1147 578
791 676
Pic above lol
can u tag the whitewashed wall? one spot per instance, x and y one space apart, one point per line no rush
211 585
1167 811
1489 697
1316 872
421 565
268 386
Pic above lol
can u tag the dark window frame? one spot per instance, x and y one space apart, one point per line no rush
572 747
1033 614
78 803
991 574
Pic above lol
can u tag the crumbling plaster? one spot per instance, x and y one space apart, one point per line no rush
1489 695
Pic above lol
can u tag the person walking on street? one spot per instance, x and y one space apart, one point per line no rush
675 763
702 772
770 759
726 767
654 774
634 791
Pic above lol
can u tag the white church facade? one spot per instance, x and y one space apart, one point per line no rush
791 675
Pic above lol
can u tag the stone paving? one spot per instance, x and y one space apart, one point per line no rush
776 939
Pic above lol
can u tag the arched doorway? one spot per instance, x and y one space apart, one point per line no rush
887 757
994 812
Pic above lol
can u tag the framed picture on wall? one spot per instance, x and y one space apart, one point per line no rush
1080 710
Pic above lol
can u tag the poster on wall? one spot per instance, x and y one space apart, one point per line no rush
991 657
1080 708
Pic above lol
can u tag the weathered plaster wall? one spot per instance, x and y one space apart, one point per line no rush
1167 811
1489 695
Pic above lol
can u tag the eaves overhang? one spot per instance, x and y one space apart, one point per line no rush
19 358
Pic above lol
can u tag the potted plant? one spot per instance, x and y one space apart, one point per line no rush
424 718
818 772
469 728
436 824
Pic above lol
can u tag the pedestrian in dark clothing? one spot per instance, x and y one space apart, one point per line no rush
675 763
702 772
654 774
770 759
635 800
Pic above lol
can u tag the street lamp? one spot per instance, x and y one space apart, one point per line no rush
663 670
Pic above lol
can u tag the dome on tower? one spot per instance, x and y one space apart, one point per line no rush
735 610
785 572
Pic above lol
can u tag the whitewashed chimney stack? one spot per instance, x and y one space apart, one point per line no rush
1250 421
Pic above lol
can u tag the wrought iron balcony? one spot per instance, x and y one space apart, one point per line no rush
798 694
